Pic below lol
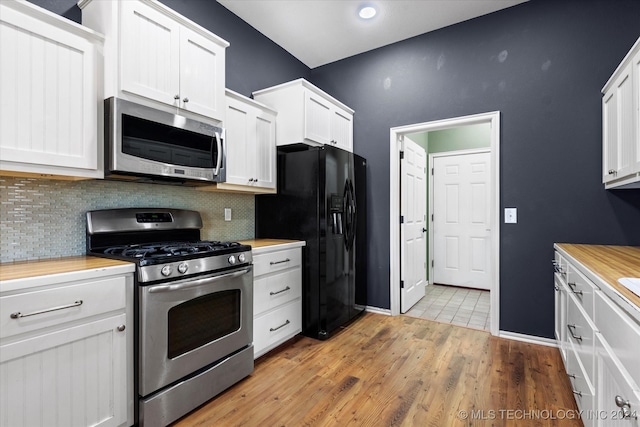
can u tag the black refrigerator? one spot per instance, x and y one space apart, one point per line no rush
322 200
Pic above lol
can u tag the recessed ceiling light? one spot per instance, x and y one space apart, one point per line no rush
367 12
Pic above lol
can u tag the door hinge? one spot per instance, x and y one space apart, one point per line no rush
401 219
401 284
401 155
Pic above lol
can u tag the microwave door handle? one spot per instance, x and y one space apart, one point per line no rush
220 154
194 283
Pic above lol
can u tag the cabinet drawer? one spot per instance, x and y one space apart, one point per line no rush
560 266
276 261
276 289
79 301
621 333
582 288
275 327
582 388
580 333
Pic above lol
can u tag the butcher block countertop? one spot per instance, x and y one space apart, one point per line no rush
609 263
15 274
265 245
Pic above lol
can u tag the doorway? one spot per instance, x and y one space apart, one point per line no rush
492 120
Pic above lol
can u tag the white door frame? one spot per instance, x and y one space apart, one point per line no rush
493 118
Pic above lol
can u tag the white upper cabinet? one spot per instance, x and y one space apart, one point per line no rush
154 54
50 87
250 135
307 114
621 124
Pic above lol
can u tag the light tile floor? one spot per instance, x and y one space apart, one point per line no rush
454 305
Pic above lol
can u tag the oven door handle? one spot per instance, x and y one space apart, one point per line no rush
195 283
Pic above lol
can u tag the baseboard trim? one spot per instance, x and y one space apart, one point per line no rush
378 310
531 339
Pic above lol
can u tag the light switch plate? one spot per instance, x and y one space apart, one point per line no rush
227 214
510 215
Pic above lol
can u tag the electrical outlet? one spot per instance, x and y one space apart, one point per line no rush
510 215
227 214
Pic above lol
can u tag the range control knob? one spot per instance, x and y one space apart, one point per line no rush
166 270
183 267
242 258
232 259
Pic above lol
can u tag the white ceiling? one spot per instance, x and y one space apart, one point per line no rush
318 32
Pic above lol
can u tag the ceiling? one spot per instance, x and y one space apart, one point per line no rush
318 32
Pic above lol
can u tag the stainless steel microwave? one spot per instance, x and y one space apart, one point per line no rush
148 145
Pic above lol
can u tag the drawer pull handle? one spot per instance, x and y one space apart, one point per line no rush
573 289
280 291
572 376
575 337
18 315
577 393
626 408
279 262
278 327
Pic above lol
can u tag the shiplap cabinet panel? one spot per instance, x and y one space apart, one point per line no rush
309 115
49 93
66 348
159 58
621 124
250 130
72 377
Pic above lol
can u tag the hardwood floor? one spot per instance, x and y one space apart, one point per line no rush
398 371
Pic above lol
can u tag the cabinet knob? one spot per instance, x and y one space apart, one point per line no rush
185 99
176 96
612 172
121 328
626 408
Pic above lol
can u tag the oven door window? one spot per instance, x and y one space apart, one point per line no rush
202 320
167 144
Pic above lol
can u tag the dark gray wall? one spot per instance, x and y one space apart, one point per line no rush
252 61
542 64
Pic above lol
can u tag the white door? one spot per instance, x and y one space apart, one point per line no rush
461 220
413 257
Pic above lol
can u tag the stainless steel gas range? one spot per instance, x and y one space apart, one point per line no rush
194 306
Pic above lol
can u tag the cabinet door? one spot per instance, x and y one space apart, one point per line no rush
635 64
613 389
150 53
48 109
265 150
71 377
619 151
240 151
317 118
201 75
342 129
560 316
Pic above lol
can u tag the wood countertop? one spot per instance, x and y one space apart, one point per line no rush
259 244
29 269
609 263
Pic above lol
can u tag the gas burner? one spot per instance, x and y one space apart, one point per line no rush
169 249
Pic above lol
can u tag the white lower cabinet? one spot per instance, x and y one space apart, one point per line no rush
66 353
277 297
600 347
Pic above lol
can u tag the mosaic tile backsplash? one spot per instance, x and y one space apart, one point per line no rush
46 218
